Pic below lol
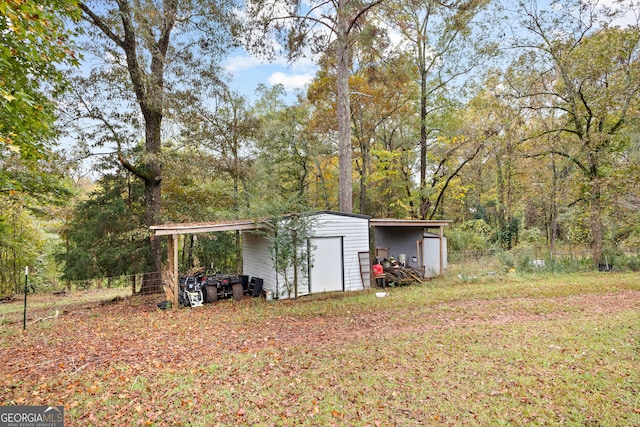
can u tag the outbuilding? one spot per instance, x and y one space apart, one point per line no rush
412 244
338 250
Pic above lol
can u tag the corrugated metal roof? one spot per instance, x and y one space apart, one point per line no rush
390 222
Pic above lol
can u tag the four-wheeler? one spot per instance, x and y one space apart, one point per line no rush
190 292
209 287
222 286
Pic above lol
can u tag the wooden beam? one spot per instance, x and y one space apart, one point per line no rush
171 229
173 269
388 222
441 250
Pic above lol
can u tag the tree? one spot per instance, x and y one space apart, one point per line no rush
588 75
218 132
28 208
298 25
438 35
107 233
293 162
501 127
35 43
290 249
381 95
20 242
157 51
380 101
223 131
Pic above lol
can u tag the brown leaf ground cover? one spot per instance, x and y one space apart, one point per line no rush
514 351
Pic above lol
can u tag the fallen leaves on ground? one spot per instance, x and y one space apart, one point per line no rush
129 363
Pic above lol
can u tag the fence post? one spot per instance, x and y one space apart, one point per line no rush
26 283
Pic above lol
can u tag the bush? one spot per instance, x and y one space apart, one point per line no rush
629 262
532 236
507 259
473 235
524 263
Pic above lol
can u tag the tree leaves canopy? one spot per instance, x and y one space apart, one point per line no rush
35 44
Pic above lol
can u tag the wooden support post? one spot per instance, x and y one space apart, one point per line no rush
441 250
173 268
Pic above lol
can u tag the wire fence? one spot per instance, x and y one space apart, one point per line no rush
56 300
540 259
475 256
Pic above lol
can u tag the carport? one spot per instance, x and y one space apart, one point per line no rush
172 231
411 243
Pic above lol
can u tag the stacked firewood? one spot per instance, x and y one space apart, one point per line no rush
404 275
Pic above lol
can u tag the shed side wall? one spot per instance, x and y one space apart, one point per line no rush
257 260
355 233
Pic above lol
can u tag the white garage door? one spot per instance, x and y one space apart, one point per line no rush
326 265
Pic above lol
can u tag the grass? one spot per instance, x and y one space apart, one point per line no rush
504 349
40 305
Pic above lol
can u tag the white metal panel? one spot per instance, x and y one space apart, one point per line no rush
326 270
431 255
257 260
303 283
355 233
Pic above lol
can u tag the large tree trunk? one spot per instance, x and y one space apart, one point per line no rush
593 173
597 232
553 208
364 150
148 86
425 203
343 107
153 200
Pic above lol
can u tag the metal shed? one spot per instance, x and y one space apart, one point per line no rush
411 244
339 245
341 250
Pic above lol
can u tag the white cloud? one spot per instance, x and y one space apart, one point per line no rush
247 72
239 63
243 61
290 81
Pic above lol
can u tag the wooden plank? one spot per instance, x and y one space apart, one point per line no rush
388 222
441 252
173 269
169 230
365 268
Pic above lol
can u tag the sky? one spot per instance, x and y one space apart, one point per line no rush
248 72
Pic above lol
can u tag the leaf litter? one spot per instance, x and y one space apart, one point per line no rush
226 364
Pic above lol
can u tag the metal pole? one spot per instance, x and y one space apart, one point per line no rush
26 283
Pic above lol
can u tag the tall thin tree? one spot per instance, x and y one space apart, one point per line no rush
316 24
161 46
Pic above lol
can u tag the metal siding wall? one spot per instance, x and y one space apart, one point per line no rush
356 239
355 232
257 260
399 240
432 256
303 286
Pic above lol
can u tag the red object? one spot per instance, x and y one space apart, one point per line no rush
377 269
